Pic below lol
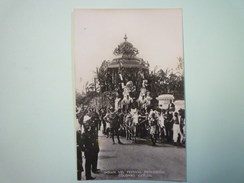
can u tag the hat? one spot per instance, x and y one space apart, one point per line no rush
86 118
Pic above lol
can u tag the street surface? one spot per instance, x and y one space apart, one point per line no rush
140 161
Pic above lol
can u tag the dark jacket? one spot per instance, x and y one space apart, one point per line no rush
89 141
115 120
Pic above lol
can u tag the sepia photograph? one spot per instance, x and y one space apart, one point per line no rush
129 94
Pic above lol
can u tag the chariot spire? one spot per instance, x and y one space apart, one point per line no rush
125 38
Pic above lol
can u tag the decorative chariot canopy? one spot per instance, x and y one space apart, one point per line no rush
179 104
126 49
128 57
164 100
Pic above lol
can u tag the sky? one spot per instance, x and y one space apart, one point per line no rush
156 33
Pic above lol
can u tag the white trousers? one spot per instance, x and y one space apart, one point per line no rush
176 131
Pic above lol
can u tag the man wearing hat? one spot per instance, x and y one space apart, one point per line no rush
94 132
88 146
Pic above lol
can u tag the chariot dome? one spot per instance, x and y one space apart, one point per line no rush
126 65
127 57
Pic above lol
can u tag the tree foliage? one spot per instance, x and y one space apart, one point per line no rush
85 99
161 81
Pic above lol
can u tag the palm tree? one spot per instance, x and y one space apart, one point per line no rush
102 76
164 79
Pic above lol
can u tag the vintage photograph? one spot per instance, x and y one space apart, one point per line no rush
129 92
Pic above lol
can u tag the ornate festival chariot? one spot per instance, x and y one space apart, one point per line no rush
125 78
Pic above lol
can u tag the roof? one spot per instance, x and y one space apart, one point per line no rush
128 57
165 97
132 62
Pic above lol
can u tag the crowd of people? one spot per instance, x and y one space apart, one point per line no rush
161 125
